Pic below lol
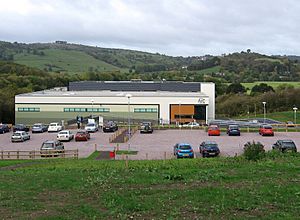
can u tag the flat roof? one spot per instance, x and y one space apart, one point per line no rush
62 92
135 85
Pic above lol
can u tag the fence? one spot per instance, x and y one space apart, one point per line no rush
30 155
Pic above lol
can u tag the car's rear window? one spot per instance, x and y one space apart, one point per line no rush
288 144
211 145
185 147
213 128
80 132
90 125
17 134
53 124
47 146
63 132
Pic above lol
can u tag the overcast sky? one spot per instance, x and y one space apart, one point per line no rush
172 27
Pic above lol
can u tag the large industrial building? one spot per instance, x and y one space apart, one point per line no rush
163 102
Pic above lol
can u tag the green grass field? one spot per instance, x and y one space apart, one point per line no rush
279 116
211 188
273 84
64 60
214 69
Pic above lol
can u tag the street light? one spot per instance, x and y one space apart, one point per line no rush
180 114
129 131
264 103
92 100
295 115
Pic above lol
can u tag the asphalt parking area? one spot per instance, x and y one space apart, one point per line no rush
158 145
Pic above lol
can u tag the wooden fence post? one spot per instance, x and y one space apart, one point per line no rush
2 156
95 147
165 155
8 155
126 162
18 154
146 156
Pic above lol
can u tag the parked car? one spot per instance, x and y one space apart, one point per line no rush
182 150
4 128
214 130
192 124
51 148
233 130
39 128
110 126
146 127
82 136
285 145
54 127
91 127
290 124
65 135
20 136
266 130
209 149
20 127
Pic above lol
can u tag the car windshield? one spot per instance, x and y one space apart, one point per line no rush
211 145
288 144
185 147
47 146
214 128
267 127
17 134
81 132
90 125
37 125
63 132
233 127
53 124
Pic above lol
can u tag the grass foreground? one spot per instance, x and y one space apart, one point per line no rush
204 188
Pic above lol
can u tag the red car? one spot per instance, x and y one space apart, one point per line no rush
266 130
214 130
82 136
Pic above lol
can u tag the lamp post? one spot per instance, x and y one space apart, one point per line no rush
264 103
180 114
129 131
295 115
92 100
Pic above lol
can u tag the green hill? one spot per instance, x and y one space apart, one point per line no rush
213 188
64 61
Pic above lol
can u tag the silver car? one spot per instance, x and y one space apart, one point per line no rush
20 136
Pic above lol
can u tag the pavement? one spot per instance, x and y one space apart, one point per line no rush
158 145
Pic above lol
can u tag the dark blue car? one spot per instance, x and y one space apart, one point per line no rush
209 149
183 150
4 128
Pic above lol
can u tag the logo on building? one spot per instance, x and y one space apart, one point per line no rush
202 101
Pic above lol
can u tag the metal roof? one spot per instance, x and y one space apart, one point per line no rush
171 86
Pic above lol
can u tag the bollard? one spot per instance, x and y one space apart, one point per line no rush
165 155
95 147
118 147
146 156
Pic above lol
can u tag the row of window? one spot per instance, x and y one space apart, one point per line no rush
143 110
136 110
28 109
86 110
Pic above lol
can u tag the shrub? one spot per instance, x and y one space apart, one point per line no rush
254 151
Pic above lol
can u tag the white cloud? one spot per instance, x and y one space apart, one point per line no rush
174 27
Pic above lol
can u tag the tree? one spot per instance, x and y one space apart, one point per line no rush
261 88
235 88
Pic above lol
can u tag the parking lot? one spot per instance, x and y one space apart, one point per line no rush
158 145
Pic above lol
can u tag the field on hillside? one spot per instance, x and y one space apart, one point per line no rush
273 84
63 60
214 69
211 188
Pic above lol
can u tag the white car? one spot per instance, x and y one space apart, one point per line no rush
91 127
192 124
54 127
20 136
65 135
